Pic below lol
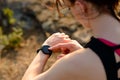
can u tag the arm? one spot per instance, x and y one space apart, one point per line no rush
67 68
61 70
36 67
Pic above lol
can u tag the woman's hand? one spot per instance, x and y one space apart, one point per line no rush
69 46
60 42
66 48
57 38
54 39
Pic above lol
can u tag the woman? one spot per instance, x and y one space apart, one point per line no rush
83 63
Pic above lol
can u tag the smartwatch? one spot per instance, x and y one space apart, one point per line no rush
45 50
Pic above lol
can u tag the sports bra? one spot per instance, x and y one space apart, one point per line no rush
106 54
110 44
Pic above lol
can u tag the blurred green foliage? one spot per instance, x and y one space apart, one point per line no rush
14 34
9 14
11 40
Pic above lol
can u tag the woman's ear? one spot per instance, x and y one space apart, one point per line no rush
80 5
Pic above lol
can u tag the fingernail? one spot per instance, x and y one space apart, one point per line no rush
50 48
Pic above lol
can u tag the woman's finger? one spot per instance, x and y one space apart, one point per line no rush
59 46
65 50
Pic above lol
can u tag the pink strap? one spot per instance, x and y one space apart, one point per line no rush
110 44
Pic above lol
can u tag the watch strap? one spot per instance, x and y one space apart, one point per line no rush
45 50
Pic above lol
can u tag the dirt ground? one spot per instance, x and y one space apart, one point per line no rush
13 63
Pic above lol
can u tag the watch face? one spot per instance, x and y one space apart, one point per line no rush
45 50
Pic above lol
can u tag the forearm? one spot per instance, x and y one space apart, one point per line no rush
36 67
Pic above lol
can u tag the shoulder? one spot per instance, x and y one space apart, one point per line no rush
84 62
80 55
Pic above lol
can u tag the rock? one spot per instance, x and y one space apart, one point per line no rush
81 35
47 24
2 47
67 21
44 16
73 27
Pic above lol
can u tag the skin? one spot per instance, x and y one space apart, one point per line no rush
79 63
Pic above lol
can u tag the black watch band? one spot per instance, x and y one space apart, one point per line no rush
45 50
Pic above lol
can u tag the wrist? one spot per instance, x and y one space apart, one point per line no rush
45 43
45 50
43 57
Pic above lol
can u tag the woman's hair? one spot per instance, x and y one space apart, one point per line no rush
110 4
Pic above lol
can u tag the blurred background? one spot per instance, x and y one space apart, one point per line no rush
24 25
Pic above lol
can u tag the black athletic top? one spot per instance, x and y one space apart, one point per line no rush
107 56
